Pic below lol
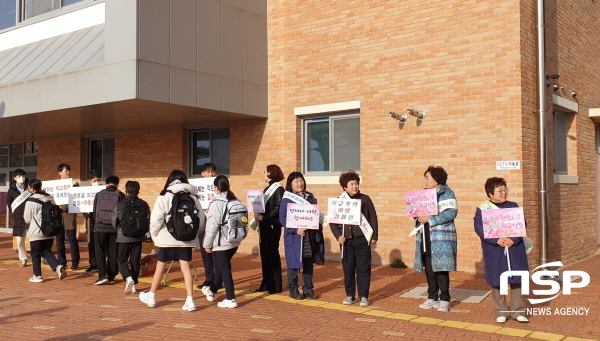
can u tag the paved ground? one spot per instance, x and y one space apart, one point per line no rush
74 309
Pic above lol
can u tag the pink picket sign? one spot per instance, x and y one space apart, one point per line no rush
503 222
421 203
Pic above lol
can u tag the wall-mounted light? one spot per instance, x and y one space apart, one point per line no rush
400 117
419 114
574 93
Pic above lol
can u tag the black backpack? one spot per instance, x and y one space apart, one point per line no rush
52 221
182 221
106 204
135 220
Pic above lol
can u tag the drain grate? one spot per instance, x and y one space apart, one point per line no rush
457 295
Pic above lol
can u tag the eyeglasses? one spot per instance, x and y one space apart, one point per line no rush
502 191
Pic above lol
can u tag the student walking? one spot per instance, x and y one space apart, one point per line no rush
218 244
105 235
185 220
40 244
16 189
131 219
70 224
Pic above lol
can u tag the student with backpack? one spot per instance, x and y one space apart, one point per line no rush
105 235
175 221
226 227
44 220
131 218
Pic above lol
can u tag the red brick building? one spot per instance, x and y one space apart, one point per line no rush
308 85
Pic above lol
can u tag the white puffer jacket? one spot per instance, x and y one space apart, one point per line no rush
33 217
213 239
158 218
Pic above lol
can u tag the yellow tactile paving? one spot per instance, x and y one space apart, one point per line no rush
334 306
379 313
576 339
400 316
513 332
546 336
427 320
312 303
455 324
352 309
483 328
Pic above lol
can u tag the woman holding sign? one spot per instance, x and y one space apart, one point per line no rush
356 241
498 251
303 247
436 242
269 230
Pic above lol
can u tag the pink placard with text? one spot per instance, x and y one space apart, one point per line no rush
503 222
302 216
421 203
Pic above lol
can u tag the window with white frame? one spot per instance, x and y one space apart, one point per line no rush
101 155
13 12
561 129
209 145
331 144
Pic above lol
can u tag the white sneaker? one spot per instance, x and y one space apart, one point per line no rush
61 272
133 291
522 319
348 300
227 304
500 319
210 296
189 306
36 279
129 285
145 297
364 302
23 263
444 306
428 304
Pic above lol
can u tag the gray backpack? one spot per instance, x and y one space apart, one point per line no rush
234 224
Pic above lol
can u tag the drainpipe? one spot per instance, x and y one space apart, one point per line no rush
542 131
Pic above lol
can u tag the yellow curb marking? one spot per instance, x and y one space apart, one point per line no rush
334 306
427 320
400 316
355 309
483 328
455 324
546 336
514 332
570 338
312 303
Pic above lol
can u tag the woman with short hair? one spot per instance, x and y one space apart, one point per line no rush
494 257
354 242
436 242
269 229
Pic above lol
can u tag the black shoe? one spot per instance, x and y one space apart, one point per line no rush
311 294
91 269
261 289
74 266
296 295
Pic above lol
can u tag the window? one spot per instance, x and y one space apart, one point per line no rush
17 155
101 155
8 13
69 2
331 144
209 145
34 8
561 165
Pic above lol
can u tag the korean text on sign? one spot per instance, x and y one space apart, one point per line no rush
421 203
343 211
503 222
302 216
81 199
58 189
206 190
255 200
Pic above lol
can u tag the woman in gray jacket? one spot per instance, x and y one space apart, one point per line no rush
221 249
169 248
40 245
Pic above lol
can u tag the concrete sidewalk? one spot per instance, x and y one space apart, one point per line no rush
75 309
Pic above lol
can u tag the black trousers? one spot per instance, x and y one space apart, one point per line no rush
438 282
356 262
270 258
207 262
39 249
129 258
223 272
73 244
91 243
106 254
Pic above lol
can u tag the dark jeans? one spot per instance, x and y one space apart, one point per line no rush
129 257
270 258
307 276
91 244
106 254
357 266
73 244
39 249
438 282
208 262
223 272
